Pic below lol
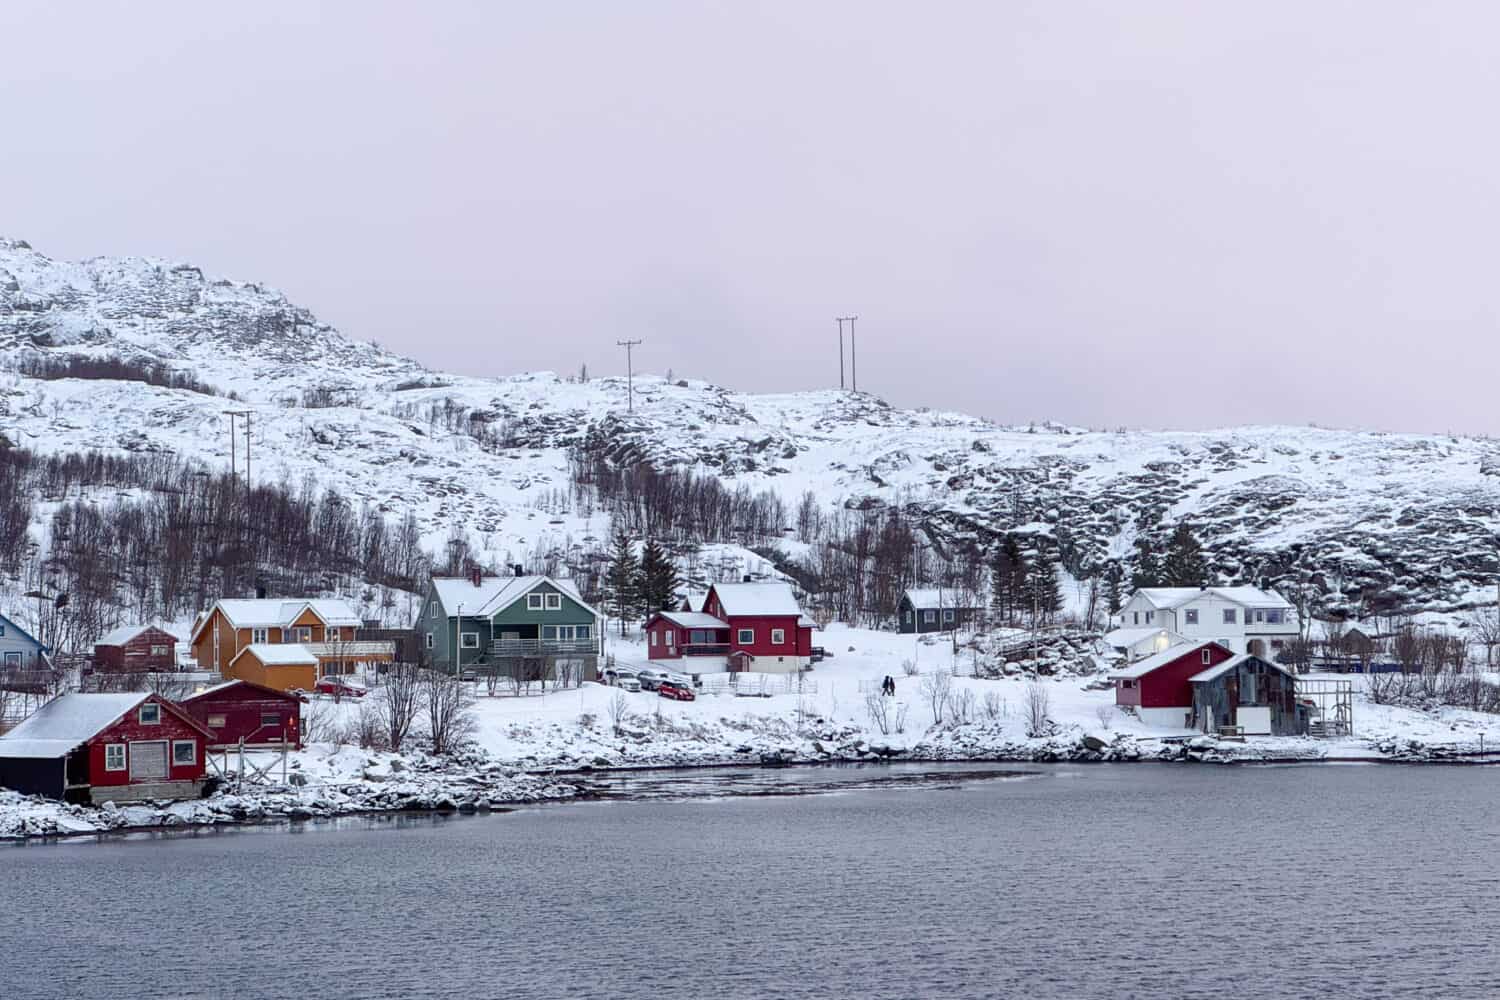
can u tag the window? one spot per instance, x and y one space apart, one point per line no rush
1260 616
908 616
671 640
1206 656
1229 618
270 719
653 638
331 634
778 636
159 650
13 659
928 617
554 602
1275 616
302 633
1127 684
533 602
1137 615
1190 616
947 614
184 752
1149 616
114 757
432 612
150 714
217 721
258 635
745 636
549 632
469 640
585 631
429 640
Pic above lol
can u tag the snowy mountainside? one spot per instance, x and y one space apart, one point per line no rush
1411 518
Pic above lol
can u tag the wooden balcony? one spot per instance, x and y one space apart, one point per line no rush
362 649
544 647
705 649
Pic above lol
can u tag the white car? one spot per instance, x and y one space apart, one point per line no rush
623 679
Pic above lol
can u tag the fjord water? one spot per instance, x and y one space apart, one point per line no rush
1103 881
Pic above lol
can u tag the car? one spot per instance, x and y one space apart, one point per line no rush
619 677
675 691
651 679
340 687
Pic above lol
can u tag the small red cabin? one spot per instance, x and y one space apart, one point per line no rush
136 649
761 621
106 747
1158 687
239 710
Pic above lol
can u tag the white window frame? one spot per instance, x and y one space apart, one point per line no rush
302 633
275 719
584 631
652 634
429 640
671 639
554 602
948 615
1207 658
533 602
191 745
160 650
260 635
928 617
1190 616
331 633
464 640
1231 616
778 637
155 719
114 748
218 721
739 636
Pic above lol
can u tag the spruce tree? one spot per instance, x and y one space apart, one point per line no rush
1184 565
656 579
1147 566
621 579
1002 597
1020 574
1112 589
1046 589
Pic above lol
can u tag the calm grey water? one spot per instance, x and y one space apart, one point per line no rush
1124 881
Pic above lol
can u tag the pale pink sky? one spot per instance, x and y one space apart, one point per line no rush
1156 214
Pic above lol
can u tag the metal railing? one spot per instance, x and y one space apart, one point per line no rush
705 649
544 647
350 649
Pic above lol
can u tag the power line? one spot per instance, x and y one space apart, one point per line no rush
629 372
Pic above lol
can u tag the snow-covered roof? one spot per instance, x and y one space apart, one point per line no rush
1125 638
695 599
1254 597
770 598
234 683
693 619
278 654
494 593
1171 654
1220 669
279 612
122 635
932 598
67 722
806 622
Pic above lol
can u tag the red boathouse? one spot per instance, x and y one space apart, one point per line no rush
1158 688
240 710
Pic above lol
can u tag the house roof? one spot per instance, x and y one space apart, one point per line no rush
1172 654
1220 669
125 633
495 593
278 612
1172 597
929 598
806 622
695 599
772 598
692 619
217 688
71 720
1124 638
16 631
278 654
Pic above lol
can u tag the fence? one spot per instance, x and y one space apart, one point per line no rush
752 685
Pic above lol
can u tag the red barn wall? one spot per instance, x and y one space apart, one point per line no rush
129 729
1167 686
242 707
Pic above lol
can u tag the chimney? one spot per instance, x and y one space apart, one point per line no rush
518 569
260 592
745 578
476 576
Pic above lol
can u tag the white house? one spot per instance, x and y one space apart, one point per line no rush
1139 643
1245 619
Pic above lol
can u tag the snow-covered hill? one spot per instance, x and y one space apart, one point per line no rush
1411 518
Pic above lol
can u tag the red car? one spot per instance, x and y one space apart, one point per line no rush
339 688
675 691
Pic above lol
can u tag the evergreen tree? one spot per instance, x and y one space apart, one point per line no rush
656 579
621 579
1045 590
1184 565
1020 575
1147 566
1112 588
1002 598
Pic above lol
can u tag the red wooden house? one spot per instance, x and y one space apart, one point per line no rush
106 747
136 649
1159 689
238 710
753 626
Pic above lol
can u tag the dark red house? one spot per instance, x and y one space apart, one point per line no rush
753 626
1158 688
239 710
106 747
136 649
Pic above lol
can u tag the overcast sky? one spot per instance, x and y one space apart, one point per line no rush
1148 214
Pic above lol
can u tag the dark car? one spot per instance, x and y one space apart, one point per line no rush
676 691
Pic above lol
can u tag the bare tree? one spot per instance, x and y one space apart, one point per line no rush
400 698
1486 630
936 688
994 705
618 708
1038 709
450 711
878 707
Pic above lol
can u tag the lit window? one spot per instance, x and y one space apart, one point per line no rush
184 752
114 757
150 714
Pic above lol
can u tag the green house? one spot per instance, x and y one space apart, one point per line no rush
487 623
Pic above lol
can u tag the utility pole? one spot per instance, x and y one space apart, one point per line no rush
629 372
234 463
840 321
853 357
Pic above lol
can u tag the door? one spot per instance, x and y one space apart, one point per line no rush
148 760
